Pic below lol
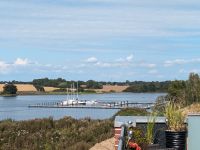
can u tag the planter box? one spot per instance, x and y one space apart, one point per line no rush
176 140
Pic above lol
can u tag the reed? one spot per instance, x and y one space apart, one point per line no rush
174 117
150 129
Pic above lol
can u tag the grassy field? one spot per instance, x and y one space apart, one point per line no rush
112 88
30 88
50 89
22 88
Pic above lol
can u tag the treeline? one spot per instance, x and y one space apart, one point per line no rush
62 83
140 86
134 86
15 82
185 92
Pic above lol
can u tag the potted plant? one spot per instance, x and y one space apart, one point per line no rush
176 132
150 133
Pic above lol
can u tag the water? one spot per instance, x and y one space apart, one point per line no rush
17 107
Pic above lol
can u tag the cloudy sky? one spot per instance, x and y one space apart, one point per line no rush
110 40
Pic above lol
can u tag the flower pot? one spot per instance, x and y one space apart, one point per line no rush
176 140
152 147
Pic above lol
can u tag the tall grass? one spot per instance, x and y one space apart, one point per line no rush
150 128
175 118
49 134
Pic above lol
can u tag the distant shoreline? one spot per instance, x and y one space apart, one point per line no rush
65 93
29 89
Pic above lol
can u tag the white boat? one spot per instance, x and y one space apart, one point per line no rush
93 102
69 102
73 99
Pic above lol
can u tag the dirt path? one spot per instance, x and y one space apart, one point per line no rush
105 145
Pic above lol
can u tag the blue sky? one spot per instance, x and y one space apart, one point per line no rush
105 40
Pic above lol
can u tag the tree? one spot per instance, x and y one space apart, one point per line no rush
177 91
39 88
176 88
193 88
91 84
9 89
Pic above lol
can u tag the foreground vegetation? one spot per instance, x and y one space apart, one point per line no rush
66 133
48 134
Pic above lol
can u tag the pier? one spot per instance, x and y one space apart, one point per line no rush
99 105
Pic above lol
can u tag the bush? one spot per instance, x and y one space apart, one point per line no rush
9 89
39 88
132 112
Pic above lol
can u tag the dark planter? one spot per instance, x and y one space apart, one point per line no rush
152 147
176 140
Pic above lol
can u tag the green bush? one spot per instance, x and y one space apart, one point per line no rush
132 112
9 89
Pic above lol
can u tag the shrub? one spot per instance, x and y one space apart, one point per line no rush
9 89
132 112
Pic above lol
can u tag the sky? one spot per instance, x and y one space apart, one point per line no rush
103 40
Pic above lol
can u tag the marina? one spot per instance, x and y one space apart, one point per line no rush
95 105
44 106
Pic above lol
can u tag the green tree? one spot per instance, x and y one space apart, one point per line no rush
176 88
91 84
193 88
177 91
9 89
39 88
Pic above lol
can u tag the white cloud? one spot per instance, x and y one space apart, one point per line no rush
104 64
169 63
173 62
92 60
21 61
129 58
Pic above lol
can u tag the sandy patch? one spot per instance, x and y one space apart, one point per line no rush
105 145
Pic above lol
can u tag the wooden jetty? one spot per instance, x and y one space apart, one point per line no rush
99 105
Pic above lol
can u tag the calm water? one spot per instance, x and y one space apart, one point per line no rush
17 107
